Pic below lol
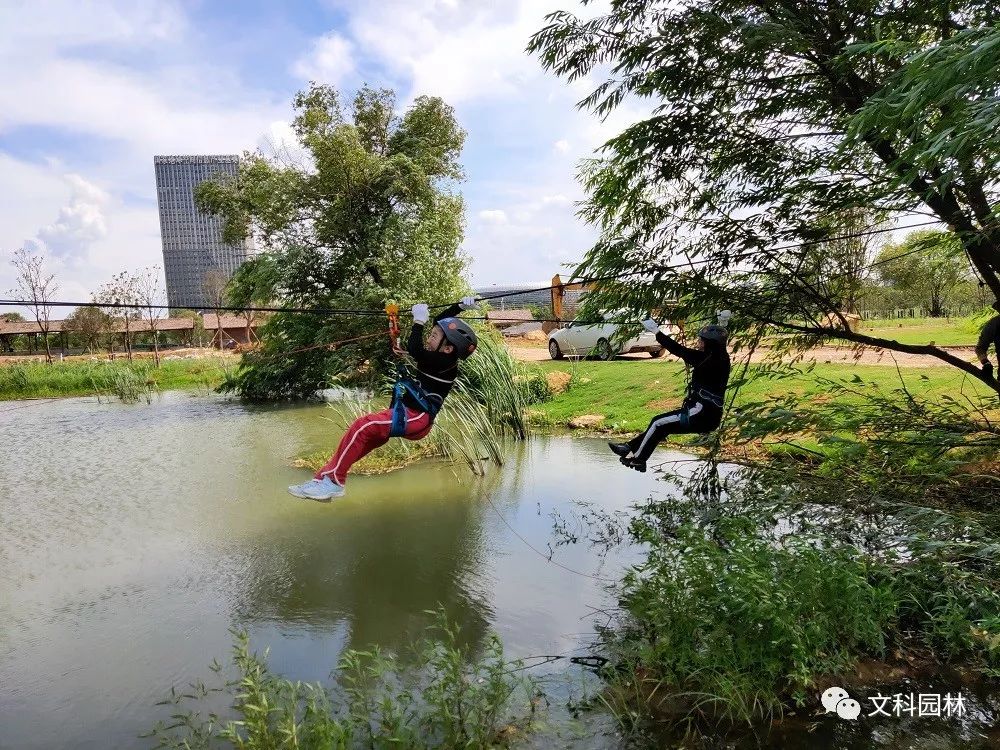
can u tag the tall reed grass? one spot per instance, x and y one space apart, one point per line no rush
79 377
445 699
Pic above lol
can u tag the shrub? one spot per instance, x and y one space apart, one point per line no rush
734 623
445 700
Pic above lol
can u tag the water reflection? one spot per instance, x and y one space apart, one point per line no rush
133 537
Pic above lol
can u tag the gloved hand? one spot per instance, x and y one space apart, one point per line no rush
421 313
724 317
468 303
651 325
988 369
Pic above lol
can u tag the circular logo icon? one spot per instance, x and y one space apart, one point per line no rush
831 697
452 326
848 708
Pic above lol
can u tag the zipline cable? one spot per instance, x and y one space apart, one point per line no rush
379 313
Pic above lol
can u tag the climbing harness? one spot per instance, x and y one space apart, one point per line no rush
430 403
703 394
406 383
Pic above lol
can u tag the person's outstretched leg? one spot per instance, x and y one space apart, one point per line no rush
641 447
365 435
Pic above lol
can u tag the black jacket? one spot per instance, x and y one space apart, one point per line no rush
989 335
435 371
709 373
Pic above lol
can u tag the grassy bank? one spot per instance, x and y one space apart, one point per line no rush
940 331
627 393
86 378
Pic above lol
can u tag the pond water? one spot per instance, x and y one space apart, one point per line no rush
133 538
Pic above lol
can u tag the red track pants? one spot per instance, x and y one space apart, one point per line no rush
365 435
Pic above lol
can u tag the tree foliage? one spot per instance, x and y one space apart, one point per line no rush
927 265
121 295
769 117
370 214
89 326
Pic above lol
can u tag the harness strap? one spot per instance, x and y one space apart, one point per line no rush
703 394
427 402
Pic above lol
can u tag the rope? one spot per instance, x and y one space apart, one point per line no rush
541 554
377 313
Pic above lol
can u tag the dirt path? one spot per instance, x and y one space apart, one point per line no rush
825 354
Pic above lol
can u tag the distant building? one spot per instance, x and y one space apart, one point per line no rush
192 240
519 295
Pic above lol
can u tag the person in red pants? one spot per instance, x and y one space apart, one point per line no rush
436 362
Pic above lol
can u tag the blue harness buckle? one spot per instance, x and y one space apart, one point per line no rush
407 385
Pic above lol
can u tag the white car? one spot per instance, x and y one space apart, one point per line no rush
598 340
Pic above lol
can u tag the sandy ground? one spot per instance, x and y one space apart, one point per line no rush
534 351
527 351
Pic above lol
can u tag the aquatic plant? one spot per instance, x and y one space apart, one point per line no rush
731 625
502 384
445 699
750 595
81 377
463 431
129 382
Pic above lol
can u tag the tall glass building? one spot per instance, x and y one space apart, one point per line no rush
192 240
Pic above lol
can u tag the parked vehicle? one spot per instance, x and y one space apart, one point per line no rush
599 340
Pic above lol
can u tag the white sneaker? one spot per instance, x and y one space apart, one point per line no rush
322 490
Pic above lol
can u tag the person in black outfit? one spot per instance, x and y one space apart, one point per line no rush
701 410
989 335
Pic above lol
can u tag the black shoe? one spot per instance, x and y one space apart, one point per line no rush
634 463
621 449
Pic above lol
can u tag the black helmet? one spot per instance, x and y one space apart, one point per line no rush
713 333
459 335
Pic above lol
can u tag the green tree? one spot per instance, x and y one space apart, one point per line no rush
12 317
927 267
768 117
372 215
197 334
88 326
121 295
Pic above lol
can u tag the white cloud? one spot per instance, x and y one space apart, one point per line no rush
176 102
93 237
331 60
493 216
555 200
79 224
525 133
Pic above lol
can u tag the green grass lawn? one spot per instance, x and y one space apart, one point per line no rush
84 377
629 392
940 331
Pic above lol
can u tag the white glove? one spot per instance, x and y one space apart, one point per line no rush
421 313
468 303
724 317
651 325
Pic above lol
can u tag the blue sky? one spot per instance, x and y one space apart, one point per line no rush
93 90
